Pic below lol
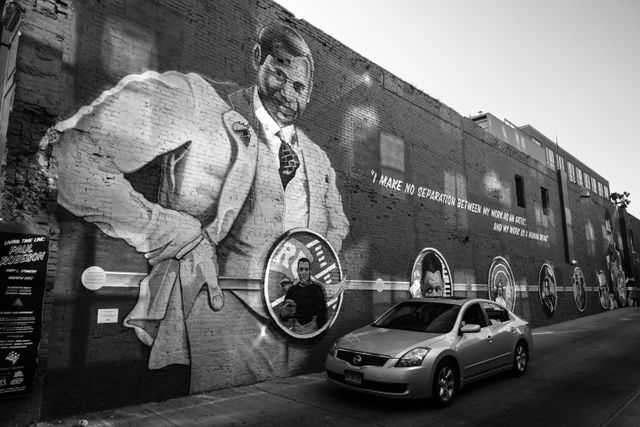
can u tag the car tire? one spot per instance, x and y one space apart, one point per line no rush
520 359
445 384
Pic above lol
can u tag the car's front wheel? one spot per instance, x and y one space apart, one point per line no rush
520 359
444 384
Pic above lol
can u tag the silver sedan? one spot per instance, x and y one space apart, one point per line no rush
431 347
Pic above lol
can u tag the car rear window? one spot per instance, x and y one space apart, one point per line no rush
417 316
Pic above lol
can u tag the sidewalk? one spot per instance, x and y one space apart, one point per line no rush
301 400
257 404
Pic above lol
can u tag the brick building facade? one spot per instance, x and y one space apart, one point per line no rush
134 142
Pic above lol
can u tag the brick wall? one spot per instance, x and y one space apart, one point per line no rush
374 127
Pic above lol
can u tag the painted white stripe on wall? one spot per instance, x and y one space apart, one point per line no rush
326 271
125 279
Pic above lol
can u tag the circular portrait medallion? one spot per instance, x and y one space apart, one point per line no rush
547 289
303 283
620 288
579 289
603 289
431 275
501 284
618 277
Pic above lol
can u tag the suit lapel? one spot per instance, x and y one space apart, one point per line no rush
241 101
239 179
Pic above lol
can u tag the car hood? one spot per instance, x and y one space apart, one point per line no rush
390 342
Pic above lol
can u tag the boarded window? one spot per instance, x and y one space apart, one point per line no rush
520 191
544 197
391 152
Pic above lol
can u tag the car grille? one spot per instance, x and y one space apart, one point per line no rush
366 359
371 385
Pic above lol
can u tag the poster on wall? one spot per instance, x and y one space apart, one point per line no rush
23 267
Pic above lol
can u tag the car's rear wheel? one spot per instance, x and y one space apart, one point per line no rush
444 384
520 359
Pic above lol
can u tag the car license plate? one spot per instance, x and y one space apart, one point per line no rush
354 378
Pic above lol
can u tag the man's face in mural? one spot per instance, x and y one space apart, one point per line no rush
284 85
304 271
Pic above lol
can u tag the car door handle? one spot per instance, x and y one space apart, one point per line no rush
513 329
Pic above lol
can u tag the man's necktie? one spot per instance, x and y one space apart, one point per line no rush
289 161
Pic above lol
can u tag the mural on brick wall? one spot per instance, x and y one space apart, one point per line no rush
431 275
237 175
614 261
222 180
547 289
579 289
502 287
303 284
603 289
616 272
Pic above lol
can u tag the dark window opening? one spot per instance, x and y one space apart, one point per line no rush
520 191
544 193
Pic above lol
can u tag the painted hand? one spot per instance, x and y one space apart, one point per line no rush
198 268
177 238
288 308
174 249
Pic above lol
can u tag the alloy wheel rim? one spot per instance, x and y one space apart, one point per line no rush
446 384
521 358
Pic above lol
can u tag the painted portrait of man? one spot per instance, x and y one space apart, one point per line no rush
547 289
237 173
501 283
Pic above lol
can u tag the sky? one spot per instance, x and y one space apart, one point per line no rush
569 68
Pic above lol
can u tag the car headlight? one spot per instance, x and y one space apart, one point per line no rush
413 357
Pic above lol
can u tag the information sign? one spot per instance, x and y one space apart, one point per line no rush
23 267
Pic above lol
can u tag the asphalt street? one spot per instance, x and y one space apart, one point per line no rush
584 372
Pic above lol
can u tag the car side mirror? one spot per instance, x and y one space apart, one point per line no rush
470 329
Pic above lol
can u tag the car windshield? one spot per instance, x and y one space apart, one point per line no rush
419 316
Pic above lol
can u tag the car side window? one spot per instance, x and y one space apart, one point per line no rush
495 313
474 316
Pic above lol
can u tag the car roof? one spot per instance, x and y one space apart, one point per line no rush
455 300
